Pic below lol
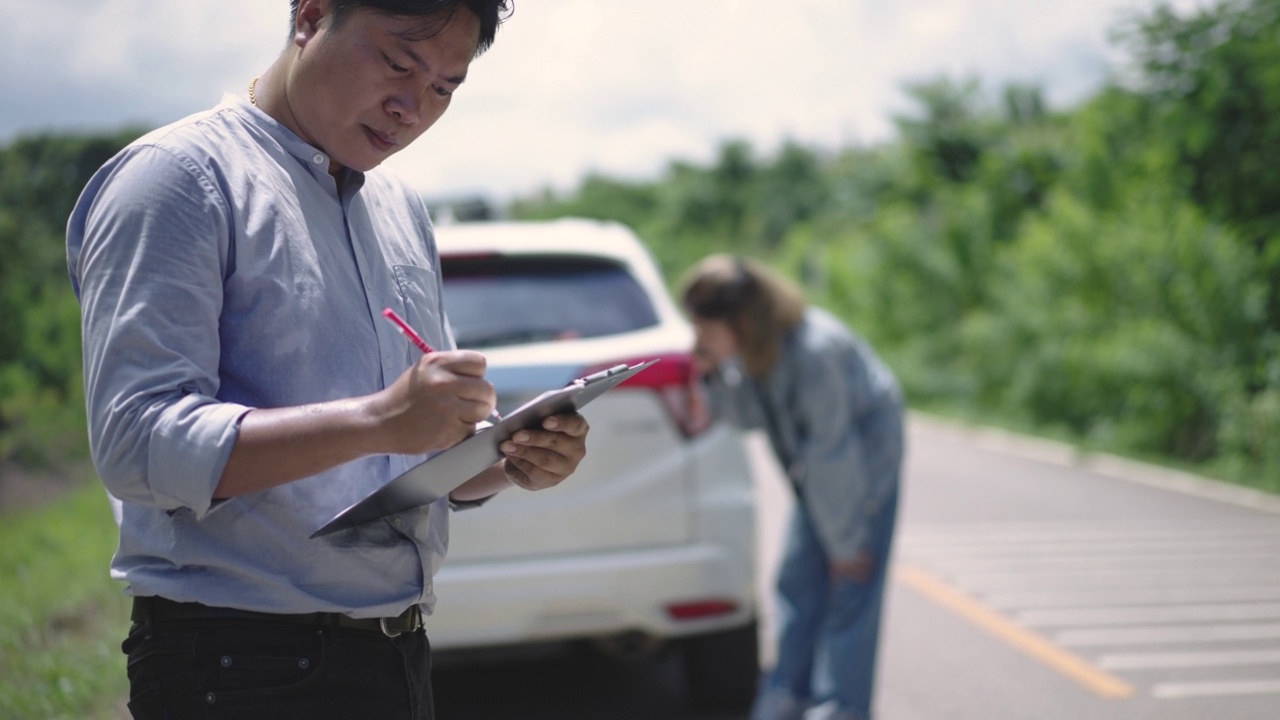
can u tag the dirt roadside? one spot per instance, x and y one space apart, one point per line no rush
24 489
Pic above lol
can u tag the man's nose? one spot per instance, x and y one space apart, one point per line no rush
404 107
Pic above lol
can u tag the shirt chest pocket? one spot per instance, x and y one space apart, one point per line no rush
418 291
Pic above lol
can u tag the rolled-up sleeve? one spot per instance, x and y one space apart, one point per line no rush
148 250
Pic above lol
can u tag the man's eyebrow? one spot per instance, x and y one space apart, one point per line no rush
417 60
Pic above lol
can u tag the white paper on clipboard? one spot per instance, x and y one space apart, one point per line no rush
437 476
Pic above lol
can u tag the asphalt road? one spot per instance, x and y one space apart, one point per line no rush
1023 587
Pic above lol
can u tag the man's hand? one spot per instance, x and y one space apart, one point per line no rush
539 459
859 569
435 404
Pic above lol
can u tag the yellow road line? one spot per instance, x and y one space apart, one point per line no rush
1031 643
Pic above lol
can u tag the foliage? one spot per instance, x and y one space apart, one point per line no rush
41 396
1210 83
1099 324
947 141
1212 80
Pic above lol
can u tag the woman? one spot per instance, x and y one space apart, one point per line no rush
833 412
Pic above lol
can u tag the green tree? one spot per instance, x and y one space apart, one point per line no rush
1212 79
948 136
41 397
1128 328
1211 83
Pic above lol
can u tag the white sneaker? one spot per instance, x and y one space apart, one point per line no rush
830 710
778 704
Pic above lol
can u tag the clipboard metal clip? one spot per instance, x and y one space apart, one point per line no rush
603 374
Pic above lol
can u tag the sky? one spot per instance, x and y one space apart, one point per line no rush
620 87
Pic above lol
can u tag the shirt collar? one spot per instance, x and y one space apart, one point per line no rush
309 155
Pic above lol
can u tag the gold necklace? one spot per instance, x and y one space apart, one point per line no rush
252 97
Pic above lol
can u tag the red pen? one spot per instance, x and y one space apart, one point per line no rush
418 342
414 337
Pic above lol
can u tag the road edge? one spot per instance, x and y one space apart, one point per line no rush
1052 452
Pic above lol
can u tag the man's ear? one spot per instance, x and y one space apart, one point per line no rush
310 15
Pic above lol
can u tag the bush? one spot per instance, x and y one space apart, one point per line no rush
1135 329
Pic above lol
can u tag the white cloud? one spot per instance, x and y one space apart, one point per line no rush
623 86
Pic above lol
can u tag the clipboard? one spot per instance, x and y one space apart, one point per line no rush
438 475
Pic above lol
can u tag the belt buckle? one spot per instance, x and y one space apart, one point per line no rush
413 616
382 622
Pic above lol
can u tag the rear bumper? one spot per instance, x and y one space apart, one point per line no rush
546 600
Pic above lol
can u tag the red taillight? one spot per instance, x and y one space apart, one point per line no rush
676 382
699 609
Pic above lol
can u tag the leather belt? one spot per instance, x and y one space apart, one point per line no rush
158 609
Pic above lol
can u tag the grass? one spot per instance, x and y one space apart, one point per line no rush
61 616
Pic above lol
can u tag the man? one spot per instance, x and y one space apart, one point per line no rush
242 389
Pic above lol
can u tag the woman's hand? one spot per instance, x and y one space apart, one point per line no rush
859 569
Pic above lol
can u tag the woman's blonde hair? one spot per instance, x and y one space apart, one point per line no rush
759 305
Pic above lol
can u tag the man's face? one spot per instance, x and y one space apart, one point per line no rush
361 91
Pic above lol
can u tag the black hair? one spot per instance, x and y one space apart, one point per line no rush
436 14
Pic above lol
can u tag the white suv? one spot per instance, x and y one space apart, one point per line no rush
653 538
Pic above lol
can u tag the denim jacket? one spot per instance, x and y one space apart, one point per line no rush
833 412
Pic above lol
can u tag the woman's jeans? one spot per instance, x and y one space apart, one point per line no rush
245 669
828 629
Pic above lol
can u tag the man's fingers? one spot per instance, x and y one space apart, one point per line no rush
557 453
572 424
544 459
545 465
476 390
466 363
527 475
454 377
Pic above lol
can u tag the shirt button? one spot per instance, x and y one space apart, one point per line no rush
318 158
399 523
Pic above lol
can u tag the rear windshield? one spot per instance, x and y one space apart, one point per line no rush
508 300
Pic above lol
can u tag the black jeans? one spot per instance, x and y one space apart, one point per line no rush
249 669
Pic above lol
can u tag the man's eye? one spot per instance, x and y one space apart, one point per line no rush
443 91
395 67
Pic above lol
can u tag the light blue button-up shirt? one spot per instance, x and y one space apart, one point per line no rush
220 267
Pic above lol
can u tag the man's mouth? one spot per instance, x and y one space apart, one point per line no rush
381 141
